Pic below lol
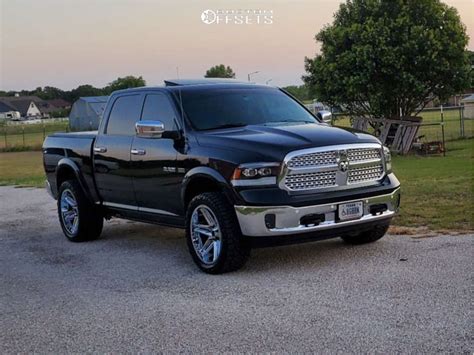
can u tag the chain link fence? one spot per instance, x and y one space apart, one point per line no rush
444 125
438 124
29 135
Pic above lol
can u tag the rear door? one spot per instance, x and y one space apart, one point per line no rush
156 178
112 168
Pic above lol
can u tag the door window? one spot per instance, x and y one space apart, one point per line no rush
125 112
158 108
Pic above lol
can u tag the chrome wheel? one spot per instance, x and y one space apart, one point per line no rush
206 234
69 212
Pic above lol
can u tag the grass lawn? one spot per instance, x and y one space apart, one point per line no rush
22 168
437 192
28 136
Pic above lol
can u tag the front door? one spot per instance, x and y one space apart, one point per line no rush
112 168
156 179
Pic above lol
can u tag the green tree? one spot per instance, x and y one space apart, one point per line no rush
83 90
301 92
126 82
470 55
220 71
50 92
388 58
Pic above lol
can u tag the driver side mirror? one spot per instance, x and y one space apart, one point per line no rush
149 129
154 129
325 116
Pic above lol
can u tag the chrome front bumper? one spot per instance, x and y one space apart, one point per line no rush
287 218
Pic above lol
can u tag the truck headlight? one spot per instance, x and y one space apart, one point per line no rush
387 156
256 174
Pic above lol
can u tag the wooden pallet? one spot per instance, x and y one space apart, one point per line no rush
398 135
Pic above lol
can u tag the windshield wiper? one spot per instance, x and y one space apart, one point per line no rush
286 121
228 125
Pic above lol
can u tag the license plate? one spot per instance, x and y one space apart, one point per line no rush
351 210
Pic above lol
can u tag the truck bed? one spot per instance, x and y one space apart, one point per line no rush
73 149
86 134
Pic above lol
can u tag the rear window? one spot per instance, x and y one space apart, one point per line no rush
125 113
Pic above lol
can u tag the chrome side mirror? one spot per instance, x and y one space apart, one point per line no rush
149 129
325 116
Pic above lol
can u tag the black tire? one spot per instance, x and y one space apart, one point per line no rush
90 220
234 248
369 236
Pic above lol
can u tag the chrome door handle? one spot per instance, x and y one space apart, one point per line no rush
138 151
100 149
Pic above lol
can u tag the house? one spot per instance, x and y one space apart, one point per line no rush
59 104
46 108
26 105
454 100
468 103
8 112
33 106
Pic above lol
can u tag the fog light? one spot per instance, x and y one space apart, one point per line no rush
270 221
397 201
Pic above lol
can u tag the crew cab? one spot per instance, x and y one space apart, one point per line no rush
236 165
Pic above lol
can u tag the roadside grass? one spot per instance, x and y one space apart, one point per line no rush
437 191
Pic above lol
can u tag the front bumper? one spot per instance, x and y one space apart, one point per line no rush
287 219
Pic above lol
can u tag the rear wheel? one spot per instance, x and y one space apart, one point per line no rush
80 219
369 236
213 234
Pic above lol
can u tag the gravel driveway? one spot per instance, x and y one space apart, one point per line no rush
136 289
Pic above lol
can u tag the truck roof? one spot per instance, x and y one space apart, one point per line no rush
199 84
206 81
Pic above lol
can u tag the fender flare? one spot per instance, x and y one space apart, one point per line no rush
67 163
211 174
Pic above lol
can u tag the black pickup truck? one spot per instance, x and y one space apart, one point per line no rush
235 164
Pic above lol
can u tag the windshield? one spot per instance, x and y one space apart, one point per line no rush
222 108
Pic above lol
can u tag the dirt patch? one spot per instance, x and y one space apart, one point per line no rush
424 232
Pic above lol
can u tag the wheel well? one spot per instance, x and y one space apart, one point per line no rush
199 185
64 173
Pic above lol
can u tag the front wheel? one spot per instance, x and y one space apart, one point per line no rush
213 234
369 236
80 219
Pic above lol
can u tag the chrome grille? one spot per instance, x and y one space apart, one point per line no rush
363 154
332 167
369 173
314 159
310 180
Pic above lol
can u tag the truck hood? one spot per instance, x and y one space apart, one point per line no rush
275 142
